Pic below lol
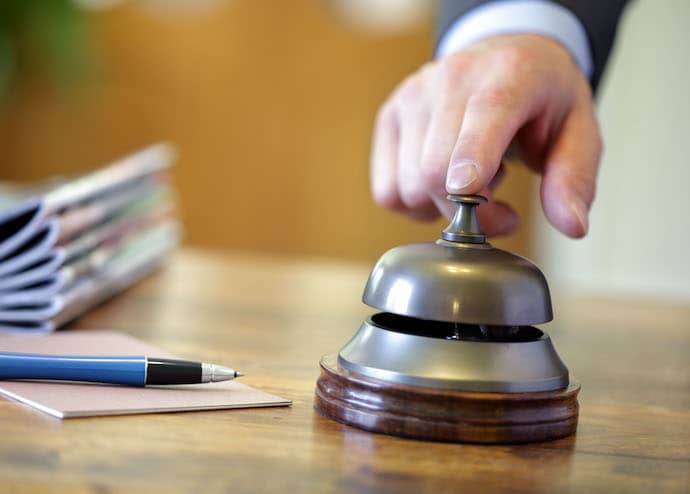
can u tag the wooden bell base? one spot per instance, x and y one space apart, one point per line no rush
443 415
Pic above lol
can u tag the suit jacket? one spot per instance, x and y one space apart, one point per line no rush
599 18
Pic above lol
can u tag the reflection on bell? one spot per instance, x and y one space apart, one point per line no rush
453 355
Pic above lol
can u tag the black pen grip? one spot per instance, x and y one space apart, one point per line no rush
170 371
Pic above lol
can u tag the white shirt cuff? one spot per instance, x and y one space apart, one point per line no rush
520 16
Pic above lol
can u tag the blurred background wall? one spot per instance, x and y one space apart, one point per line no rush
639 241
271 106
270 103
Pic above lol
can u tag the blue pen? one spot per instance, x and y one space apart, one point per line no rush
128 371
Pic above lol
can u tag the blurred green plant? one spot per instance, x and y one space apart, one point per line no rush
43 39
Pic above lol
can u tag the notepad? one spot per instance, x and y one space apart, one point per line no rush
71 399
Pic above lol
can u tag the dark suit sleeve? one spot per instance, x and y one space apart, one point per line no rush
599 18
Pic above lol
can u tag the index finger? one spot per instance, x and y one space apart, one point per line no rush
492 118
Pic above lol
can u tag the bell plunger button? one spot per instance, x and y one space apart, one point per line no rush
464 226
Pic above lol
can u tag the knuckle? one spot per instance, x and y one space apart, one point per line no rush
513 58
410 90
493 97
451 68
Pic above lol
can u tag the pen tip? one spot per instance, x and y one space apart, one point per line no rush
238 374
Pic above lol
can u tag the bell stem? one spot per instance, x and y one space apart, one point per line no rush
464 227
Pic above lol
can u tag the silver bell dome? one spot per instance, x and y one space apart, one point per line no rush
460 278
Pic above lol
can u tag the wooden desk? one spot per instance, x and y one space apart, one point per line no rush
274 319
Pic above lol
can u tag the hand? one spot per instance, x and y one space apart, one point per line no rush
446 128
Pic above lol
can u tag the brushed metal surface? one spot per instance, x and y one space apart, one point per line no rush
485 366
464 227
459 284
460 278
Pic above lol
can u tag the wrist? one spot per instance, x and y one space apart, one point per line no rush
512 17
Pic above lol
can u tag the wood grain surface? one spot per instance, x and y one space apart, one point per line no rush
441 414
274 319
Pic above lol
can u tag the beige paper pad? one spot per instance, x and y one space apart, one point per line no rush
64 400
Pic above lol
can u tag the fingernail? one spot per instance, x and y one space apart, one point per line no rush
460 175
581 212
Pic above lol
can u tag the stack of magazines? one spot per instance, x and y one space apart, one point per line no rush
68 245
